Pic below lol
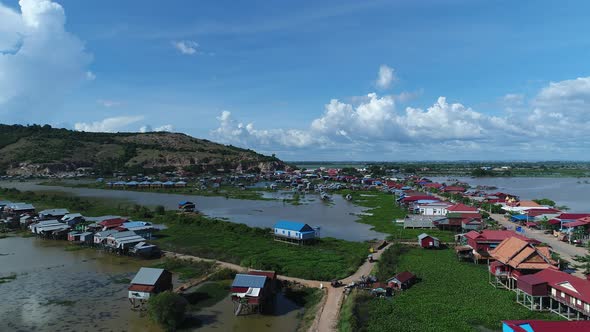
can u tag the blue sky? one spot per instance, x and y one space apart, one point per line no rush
309 80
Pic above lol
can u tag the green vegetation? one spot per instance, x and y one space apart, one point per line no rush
450 296
7 278
544 201
382 213
187 269
73 247
167 309
254 247
388 263
208 294
308 299
354 313
226 191
105 153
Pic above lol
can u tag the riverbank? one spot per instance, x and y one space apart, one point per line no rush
226 191
382 212
202 236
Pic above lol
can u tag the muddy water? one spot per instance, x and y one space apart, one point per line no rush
220 317
336 219
47 275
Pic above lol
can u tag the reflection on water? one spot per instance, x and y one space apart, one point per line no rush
572 192
336 219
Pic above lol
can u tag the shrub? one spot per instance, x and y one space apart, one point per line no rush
167 309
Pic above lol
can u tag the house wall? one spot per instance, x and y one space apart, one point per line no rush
433 211
139 295
570 300
291 234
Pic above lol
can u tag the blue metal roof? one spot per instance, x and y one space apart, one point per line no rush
290 225
135 224
247 280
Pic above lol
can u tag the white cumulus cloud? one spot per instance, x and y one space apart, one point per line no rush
187 47
39 60
113 124
149 129
385 77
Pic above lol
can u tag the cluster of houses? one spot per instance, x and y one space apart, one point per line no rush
527 267
112 233
146 184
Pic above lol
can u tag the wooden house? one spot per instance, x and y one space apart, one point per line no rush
148 281
515 257
253 291
17 209
480 243
294 232
112 223
402 280
427 241
555 291
72 218
100 238
121 241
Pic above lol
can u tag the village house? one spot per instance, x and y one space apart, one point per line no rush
147 282
17 209
453 190
294 232
251 292
123 240
515 257
100 238
72 218
402 281
141 228
556 291
107 224
53 214
427 241
430 207
478 244
544 326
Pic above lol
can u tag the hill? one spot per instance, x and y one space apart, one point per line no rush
43 150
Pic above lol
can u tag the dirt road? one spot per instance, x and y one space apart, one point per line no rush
329 312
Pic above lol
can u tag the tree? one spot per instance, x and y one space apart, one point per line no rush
544 201
167 309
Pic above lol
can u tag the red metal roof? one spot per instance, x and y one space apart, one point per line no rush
554 221
576 223
495 236
269 274
112 222
538 212
404 276
453 188
461 207
555 277
549 326
572 216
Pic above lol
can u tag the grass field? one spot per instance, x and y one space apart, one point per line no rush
451 296
255 248
383 212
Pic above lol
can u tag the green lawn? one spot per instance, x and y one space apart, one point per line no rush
451 296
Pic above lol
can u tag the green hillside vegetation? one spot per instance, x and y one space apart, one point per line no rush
63 149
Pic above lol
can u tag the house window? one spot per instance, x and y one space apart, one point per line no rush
562 294
572 300
586 306
553 292
578 302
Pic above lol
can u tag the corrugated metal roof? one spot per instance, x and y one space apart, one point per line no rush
247 280
55 212
147 276
291 225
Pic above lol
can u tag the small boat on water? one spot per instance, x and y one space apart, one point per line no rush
349 197
325 196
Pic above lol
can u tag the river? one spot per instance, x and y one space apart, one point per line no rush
86 290
337 219
571 192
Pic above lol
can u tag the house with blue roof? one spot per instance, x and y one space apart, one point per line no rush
294 232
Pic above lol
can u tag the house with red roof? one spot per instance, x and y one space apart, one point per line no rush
555 291
544 326
462 208
480 243
112 223
514 258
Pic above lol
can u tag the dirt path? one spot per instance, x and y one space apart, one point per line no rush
329 312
